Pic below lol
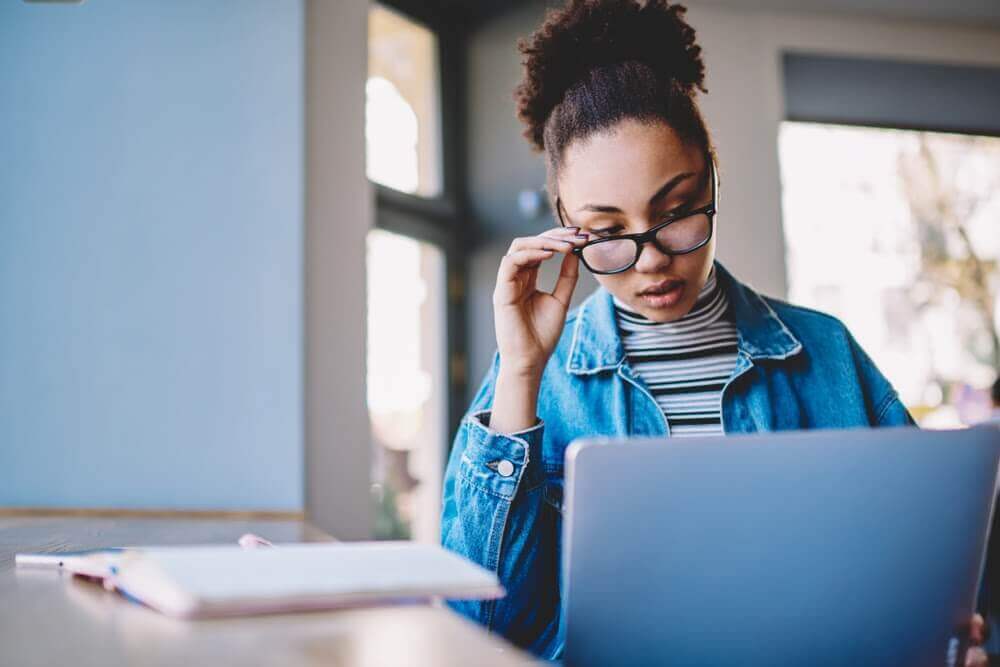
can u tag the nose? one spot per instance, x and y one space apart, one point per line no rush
651 260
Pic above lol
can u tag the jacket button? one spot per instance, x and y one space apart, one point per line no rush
505 468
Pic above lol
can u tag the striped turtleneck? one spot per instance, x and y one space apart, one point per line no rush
685 363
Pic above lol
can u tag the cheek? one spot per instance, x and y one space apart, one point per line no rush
710 248
707 257
619 284
694 267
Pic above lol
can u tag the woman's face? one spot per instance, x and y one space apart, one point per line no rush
626 180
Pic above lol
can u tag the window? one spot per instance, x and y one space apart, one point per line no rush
895 232
407 384
414 271
402 116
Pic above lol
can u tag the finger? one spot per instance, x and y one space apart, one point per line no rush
555 245
517 275
976 657
575 238
569 272
572 234
561 232
517 261
977 629
541 243
558 242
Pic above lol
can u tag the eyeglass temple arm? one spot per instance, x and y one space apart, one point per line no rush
559 215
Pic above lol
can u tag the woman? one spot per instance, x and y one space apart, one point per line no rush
670 344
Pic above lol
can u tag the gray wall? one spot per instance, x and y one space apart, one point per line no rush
339 213
501 164
151 254
879 92
743 48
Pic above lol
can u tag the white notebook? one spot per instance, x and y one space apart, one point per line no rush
203 581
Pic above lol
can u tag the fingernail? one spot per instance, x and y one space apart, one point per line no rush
582 236
572 229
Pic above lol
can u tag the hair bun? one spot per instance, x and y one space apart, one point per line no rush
587 34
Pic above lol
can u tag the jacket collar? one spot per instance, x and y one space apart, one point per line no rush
596 345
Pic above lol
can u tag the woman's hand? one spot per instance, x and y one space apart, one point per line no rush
529 322
976 656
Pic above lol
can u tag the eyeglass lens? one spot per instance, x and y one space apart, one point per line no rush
680 236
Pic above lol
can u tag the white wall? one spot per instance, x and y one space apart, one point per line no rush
744 109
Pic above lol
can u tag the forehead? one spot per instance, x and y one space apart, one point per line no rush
625 165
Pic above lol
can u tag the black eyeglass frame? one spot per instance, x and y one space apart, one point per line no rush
649 236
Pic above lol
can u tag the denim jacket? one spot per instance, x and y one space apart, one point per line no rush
796 369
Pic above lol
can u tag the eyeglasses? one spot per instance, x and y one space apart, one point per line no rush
677 235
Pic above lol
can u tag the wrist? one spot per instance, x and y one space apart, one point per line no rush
515 401
523 373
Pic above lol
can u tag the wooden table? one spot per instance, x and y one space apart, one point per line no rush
47 618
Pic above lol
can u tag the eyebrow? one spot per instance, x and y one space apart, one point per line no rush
660 195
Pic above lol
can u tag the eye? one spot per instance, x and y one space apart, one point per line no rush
607 231
677 211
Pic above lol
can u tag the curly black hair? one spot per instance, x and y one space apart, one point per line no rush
593 63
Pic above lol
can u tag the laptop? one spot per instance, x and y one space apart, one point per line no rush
848 547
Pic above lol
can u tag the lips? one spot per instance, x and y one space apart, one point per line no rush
662 288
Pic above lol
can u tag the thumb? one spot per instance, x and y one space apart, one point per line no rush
569 272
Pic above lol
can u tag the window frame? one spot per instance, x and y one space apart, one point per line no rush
438 219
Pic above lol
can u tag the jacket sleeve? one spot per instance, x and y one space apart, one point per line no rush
493 514
885 408
892 412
